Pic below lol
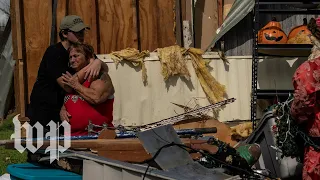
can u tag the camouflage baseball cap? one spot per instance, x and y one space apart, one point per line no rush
73 23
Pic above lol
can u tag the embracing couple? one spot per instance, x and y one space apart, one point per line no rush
72 84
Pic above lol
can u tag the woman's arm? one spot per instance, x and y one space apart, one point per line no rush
97 93
99 90
64 115
80 75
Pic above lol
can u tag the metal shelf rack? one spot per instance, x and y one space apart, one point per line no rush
284 50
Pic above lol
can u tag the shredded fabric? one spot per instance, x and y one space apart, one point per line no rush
173 62
213 89
133 56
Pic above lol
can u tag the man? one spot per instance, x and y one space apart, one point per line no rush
48 91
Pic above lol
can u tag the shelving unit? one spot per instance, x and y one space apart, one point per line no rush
281 50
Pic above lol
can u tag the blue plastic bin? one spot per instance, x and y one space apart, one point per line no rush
28 171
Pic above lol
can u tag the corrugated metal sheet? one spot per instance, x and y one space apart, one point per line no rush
6 72
136 104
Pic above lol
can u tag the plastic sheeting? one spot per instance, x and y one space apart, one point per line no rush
238 11
6 73
136 104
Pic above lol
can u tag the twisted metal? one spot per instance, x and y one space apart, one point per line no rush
180 117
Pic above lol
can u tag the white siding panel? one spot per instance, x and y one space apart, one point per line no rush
136 104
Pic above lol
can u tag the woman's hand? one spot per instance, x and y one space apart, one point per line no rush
93 69
64 115
70 80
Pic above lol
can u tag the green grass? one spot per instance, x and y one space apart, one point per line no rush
8 156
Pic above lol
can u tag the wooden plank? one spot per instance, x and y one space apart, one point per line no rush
22 90
15 10
87 11
220 12
118 25
61 12
183 8
206 22
17 92
156 23
37 23
14 26
178 25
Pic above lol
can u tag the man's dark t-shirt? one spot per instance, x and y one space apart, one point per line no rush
47 96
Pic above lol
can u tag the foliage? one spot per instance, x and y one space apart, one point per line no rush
8 156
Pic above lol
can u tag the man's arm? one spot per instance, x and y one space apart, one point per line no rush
94 68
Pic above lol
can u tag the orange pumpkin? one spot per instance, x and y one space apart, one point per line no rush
302 28
272 34
273 23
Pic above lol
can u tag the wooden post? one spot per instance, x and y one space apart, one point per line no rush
220 12
19 81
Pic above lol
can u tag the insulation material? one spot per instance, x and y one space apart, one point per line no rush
137 104
173 62
133 56
243 130
213 89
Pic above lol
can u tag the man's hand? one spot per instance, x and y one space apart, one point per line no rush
93 69
70 80
64 115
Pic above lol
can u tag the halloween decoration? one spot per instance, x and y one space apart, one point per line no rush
272 34
273 23
300 34
300 38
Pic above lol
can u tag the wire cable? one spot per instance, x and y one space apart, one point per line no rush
205 154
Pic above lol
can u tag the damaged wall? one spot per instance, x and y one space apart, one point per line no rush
136 104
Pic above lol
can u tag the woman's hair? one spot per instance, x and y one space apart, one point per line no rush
85 49
312 26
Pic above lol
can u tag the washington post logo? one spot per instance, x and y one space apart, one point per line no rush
52 137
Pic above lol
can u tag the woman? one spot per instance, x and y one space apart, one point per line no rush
305 108
88 100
